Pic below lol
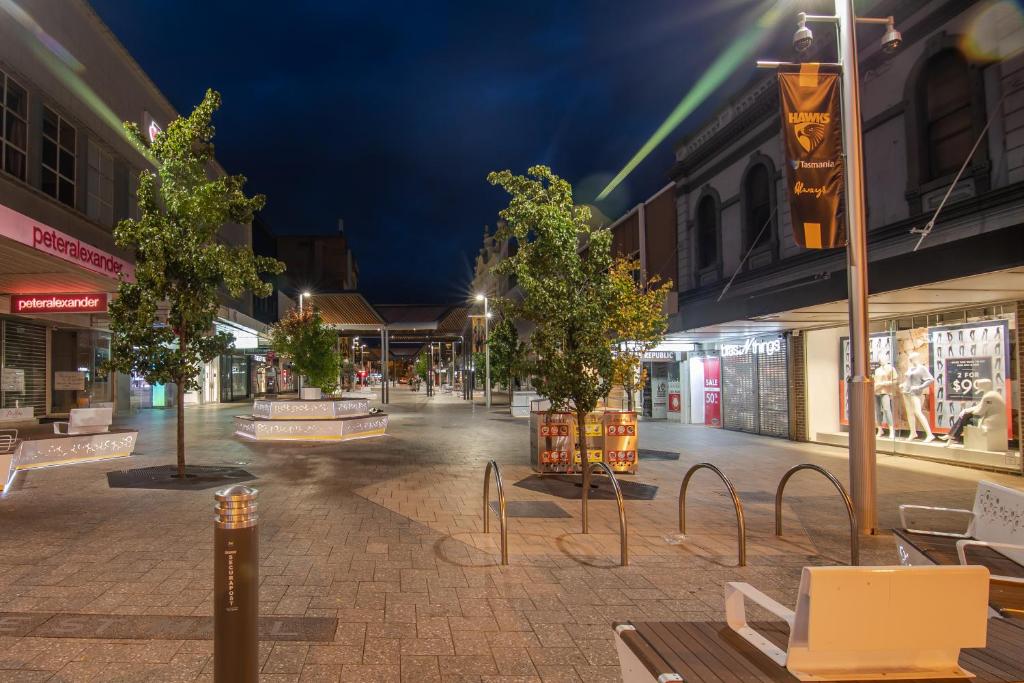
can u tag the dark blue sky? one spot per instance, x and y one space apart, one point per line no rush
390 114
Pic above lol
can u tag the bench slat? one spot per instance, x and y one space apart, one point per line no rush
728 643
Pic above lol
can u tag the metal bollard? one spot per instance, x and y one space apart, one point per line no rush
236 581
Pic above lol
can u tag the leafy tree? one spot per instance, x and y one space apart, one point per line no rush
638 321
162 323
508 354
566 291
303 336
422 367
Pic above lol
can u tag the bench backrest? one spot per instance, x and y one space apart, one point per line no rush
999 517
887 619
90 418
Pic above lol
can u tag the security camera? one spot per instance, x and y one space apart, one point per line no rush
892 39
803 37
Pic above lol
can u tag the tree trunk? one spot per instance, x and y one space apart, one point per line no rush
181 430
581 427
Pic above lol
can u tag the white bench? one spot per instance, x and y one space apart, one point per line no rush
873 622
85 421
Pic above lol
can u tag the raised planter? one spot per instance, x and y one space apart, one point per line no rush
310 393
326 420
270 409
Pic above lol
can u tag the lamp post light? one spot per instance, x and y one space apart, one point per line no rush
863 468
303 295
487 350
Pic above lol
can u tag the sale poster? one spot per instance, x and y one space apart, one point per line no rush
713 391
962 374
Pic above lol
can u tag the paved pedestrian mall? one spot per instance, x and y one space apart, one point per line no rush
374 564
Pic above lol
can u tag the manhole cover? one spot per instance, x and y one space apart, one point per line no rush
568 487
532 508
165 477
651 454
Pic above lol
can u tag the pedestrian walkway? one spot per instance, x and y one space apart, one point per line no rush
382 542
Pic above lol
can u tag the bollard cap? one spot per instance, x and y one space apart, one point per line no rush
236 507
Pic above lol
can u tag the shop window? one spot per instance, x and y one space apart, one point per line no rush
99 203
946 103
58 167
13 127
757 200
707 233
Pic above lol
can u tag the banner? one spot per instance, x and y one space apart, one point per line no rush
479 334
712 391
813 142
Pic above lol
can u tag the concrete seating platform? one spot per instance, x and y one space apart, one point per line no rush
38 446
327 409
321 429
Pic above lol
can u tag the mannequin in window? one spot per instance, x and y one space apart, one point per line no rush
915 383
989 412
886 385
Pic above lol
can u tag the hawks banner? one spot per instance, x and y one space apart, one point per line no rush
813 142
479 334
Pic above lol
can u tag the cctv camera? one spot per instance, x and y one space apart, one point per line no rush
803 38
892 39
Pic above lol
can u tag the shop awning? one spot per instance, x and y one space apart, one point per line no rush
24 270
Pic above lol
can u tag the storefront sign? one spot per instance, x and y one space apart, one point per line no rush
13 379
962 374
713 391
69 381
813 142
21 228
659 355
753 346
58 303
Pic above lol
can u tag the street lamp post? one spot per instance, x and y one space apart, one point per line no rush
487 350
863 467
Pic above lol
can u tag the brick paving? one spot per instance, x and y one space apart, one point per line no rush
386 537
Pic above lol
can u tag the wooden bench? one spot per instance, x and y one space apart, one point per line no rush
86 421
851 623
994 538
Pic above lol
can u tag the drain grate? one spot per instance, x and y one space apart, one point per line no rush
651 454
570 488
198 477
532 508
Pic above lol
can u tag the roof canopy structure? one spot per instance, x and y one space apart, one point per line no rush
404 323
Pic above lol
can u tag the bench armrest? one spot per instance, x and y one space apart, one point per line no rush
736 617
904 525
56 427
961 552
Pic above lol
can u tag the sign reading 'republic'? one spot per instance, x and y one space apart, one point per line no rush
58 303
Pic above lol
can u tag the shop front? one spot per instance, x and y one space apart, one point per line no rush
661 388
946 385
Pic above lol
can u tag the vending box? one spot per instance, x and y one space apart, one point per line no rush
621 449
594 426
551 441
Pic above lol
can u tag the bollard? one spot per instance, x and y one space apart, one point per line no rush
235 586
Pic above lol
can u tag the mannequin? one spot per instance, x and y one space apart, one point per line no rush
915 382
886 384
990 412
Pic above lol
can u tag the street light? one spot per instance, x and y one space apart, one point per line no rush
487 350
302 296
863 468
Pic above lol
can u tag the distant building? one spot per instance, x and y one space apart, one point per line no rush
323 263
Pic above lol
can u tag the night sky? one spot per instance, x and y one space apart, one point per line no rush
390 114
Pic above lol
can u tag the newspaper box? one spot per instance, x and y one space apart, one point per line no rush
551 441
595 438
621 452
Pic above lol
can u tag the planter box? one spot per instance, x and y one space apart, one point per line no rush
310 393
340 429
277 409
521 402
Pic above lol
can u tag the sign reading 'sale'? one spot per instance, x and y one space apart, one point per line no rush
813 142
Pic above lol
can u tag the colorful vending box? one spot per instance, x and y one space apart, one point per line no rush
594 426
621 449
551 440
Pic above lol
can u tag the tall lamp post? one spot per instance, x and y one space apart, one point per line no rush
863 468
487 350
302 295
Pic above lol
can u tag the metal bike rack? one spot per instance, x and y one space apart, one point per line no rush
854 536
741 525
502 513
623 530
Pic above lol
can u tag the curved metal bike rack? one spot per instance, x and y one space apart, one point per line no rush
623 530
502 513
741 525
854 536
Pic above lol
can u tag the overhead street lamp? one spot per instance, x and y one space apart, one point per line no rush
487 350
863 467
303 295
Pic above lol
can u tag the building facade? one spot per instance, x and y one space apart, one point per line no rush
67 175
318 263
770 318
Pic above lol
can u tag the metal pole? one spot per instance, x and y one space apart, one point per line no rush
487 353
862 427
236 581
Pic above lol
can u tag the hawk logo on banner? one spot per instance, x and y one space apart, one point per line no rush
812 139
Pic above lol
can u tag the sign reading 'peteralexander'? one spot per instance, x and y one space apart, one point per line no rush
813 141
58 303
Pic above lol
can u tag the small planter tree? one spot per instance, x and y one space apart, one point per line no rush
638 321
303 337
566 292
508 354
162 323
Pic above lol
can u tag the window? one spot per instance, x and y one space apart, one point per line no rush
99 182
13 127
757 207
59 139
946 105
707 233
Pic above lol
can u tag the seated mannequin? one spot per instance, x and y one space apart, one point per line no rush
989 412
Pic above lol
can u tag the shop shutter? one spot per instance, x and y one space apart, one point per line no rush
25 349
773 393
739 393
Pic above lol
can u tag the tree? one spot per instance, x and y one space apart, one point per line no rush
561 267
508 354
303 337
638 320
162 322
